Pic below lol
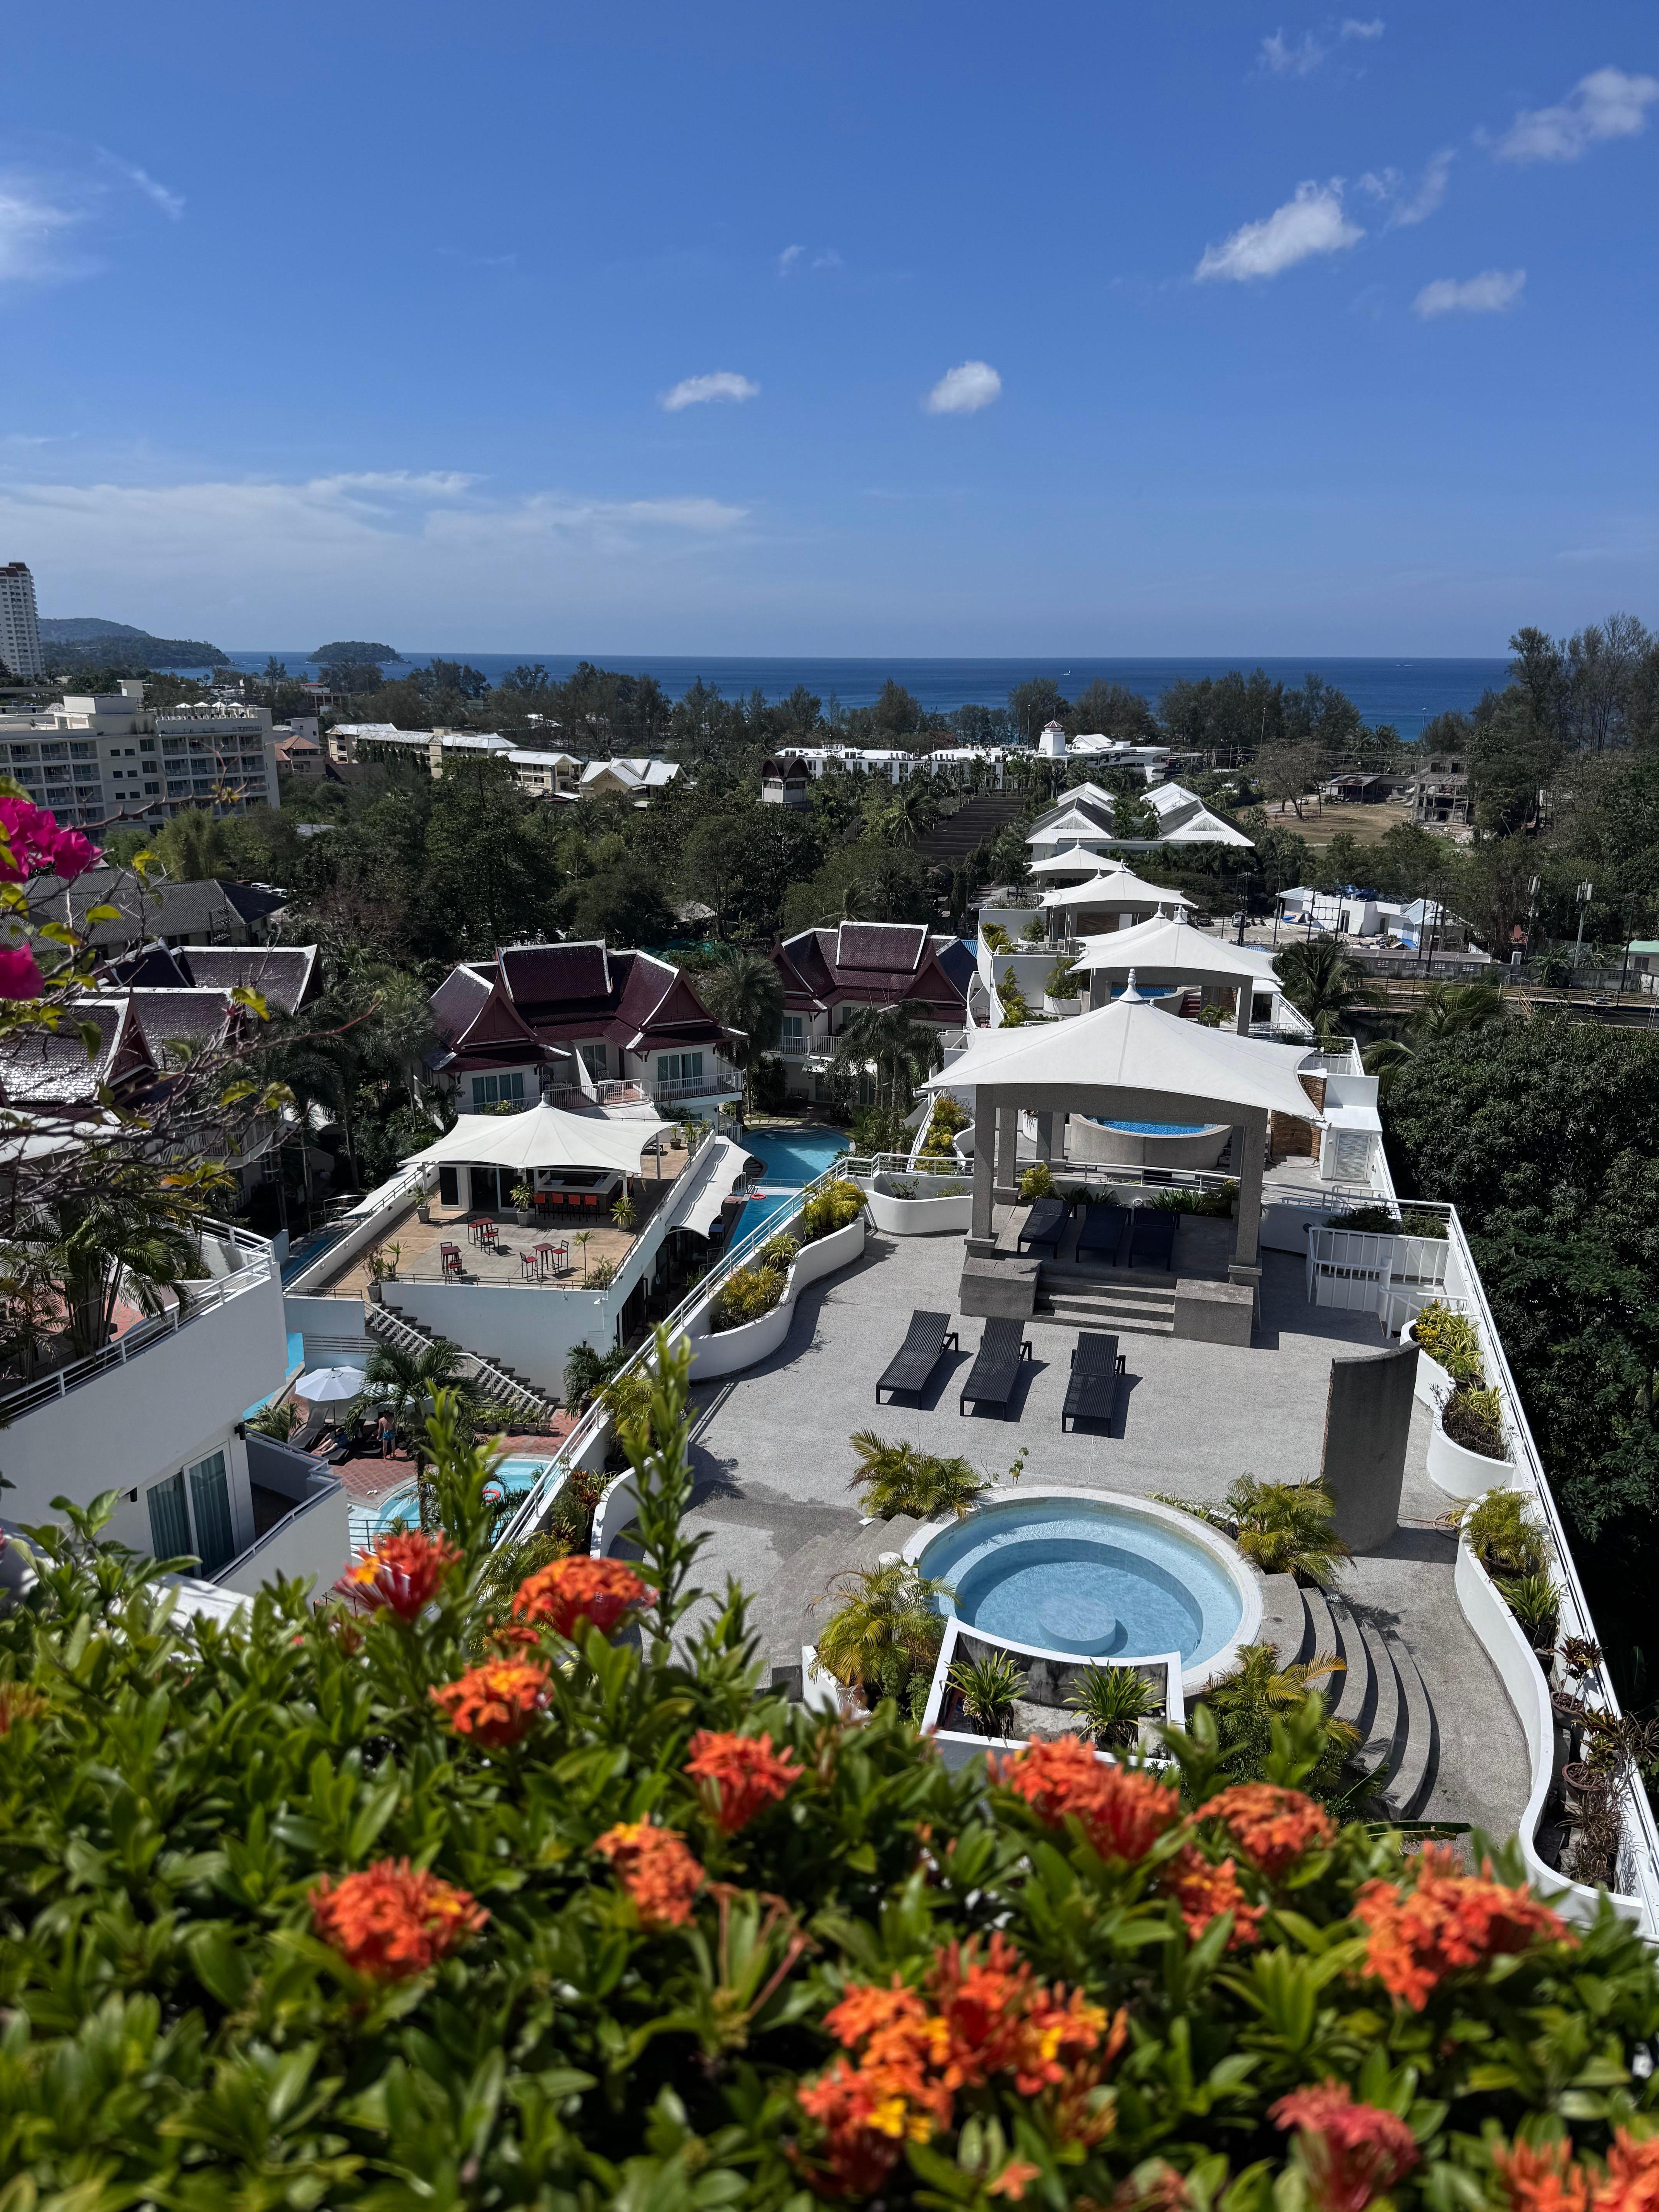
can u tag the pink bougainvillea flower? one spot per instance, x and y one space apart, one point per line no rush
19 973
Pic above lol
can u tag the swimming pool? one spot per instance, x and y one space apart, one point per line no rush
1093 1576
790 1157
512 1480
1158 1128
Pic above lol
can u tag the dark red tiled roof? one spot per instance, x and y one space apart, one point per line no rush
894 947
538 974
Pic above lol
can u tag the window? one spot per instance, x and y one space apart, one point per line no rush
596 1060
147 744
210 1498
678 1070
497 1090
169 1523
795 1033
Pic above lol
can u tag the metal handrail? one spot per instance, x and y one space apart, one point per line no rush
192 1305
319 1497
524 1521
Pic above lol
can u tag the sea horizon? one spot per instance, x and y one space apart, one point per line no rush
1405 690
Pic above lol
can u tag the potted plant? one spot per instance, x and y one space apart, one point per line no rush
622 1212
1113 1701
989 1689
382 1270
1061 987
524 1204
1536 1604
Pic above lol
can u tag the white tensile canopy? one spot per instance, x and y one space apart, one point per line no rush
544 1137
1075 825
1132 1045
1206 829
1119 893
1167 949
1075 862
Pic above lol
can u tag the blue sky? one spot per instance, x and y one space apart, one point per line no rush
860 329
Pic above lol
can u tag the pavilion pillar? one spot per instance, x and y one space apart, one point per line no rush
1045 1136
1252 1145
980 1232
1008 1149
1246 998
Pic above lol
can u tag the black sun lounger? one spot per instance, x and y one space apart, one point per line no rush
1091 1392
1152 1238
1101 1234
994 1374
1044 1224
913 1364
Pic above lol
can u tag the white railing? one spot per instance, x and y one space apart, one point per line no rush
725 1082
195 1300
585 1433
324 1494
1357 1271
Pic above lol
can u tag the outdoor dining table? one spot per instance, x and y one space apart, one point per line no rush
482 1230
552 1258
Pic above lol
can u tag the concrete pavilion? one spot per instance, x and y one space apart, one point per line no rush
1129 1061
1120 895
1168 951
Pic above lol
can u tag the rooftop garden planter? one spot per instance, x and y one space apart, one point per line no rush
1454 1469
921 1205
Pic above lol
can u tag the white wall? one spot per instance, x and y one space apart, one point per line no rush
335 1332
531 1327
315 1545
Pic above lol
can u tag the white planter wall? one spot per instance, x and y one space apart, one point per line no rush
1433 1384
732 1349
1460 1473
920 1217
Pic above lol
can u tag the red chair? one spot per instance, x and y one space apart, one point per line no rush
451 1256
490 1236
529 1268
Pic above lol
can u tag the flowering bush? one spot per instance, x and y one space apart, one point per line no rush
321 1910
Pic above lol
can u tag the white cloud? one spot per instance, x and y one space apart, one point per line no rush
829 258
964 390
788 258
1416 205
1313 222
1606 104
1283 59
35 234
171 204
1353 28
718 384
1491 292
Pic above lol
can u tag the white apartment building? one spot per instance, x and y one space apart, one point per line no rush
92 758
20 623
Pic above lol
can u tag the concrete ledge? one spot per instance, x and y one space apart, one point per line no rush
1006 1288
1214 1313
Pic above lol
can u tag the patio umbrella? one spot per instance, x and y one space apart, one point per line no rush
330 1386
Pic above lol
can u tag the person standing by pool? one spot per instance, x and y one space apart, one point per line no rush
387 1430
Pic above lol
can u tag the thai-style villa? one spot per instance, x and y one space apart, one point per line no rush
828 974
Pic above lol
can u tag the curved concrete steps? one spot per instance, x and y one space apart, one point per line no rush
1379 1693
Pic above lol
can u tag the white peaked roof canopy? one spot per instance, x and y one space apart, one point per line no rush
1131 1045
544 1137
1166 946
1075 862
1073 825
1120 892
1206 829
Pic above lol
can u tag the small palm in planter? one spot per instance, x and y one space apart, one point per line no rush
988 1688
1536 1604
1113 1701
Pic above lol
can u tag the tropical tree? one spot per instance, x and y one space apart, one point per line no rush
744 991
1113 1701
1259 1693
902 1051
1321 980
900 1478
406 1383
885 1636
1445 1011
73 1261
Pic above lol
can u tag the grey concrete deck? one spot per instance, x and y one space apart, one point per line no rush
774 1467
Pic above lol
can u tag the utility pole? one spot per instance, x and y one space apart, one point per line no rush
1585 890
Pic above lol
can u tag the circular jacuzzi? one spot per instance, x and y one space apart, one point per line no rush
1095 1575
1146 1144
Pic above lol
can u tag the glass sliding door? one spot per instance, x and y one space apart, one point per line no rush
169 1519
210 1498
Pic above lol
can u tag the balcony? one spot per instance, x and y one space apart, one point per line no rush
724 1082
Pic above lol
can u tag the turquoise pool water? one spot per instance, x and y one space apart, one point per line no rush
1081 1576
1158 1128
791 1157
513 1479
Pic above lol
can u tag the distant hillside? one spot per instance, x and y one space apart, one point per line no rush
88 641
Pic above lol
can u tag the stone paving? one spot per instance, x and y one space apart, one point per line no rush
774 1467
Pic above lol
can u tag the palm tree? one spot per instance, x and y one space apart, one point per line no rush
744 991
1287 1528
888 1627
900 1049
1445 1011
1319 980
406 1383
897 1478
583 1237
1113 1701
138 1239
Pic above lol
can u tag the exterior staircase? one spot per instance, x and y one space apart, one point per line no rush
1120 1300
493 1380
1380 1691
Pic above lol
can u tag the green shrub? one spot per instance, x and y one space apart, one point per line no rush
279 1419
1016 1010
1536 1604
1063 979
1475 1419
994 937
1113 1702
1208 1205
1382 1220
769 1082
744 1296
989 1689
1506 1537
180 2032
1037 1182
1450 1341
902 1477
945 1120
831 1207
779 1252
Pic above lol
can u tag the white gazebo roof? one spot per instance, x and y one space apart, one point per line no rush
1206 829
1120 892
544 1137
1075 825
1166 946
1132 1045
1075 862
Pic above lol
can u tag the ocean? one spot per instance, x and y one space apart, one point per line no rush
1405 692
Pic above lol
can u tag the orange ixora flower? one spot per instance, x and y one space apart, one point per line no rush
979 2017
576 1591
741 1775
19 1703
1352 2153
1543 2177
494 1704
1423 1928
1272 1826
391 1921
1124 1812
1632 2183
1203 1893
404 1571
655 1867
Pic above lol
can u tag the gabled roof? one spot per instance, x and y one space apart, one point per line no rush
193 1017
546 997
283 975
813 976
51 1068
894 947
538 974
1121 893
1073 827
1169 949
457 1000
